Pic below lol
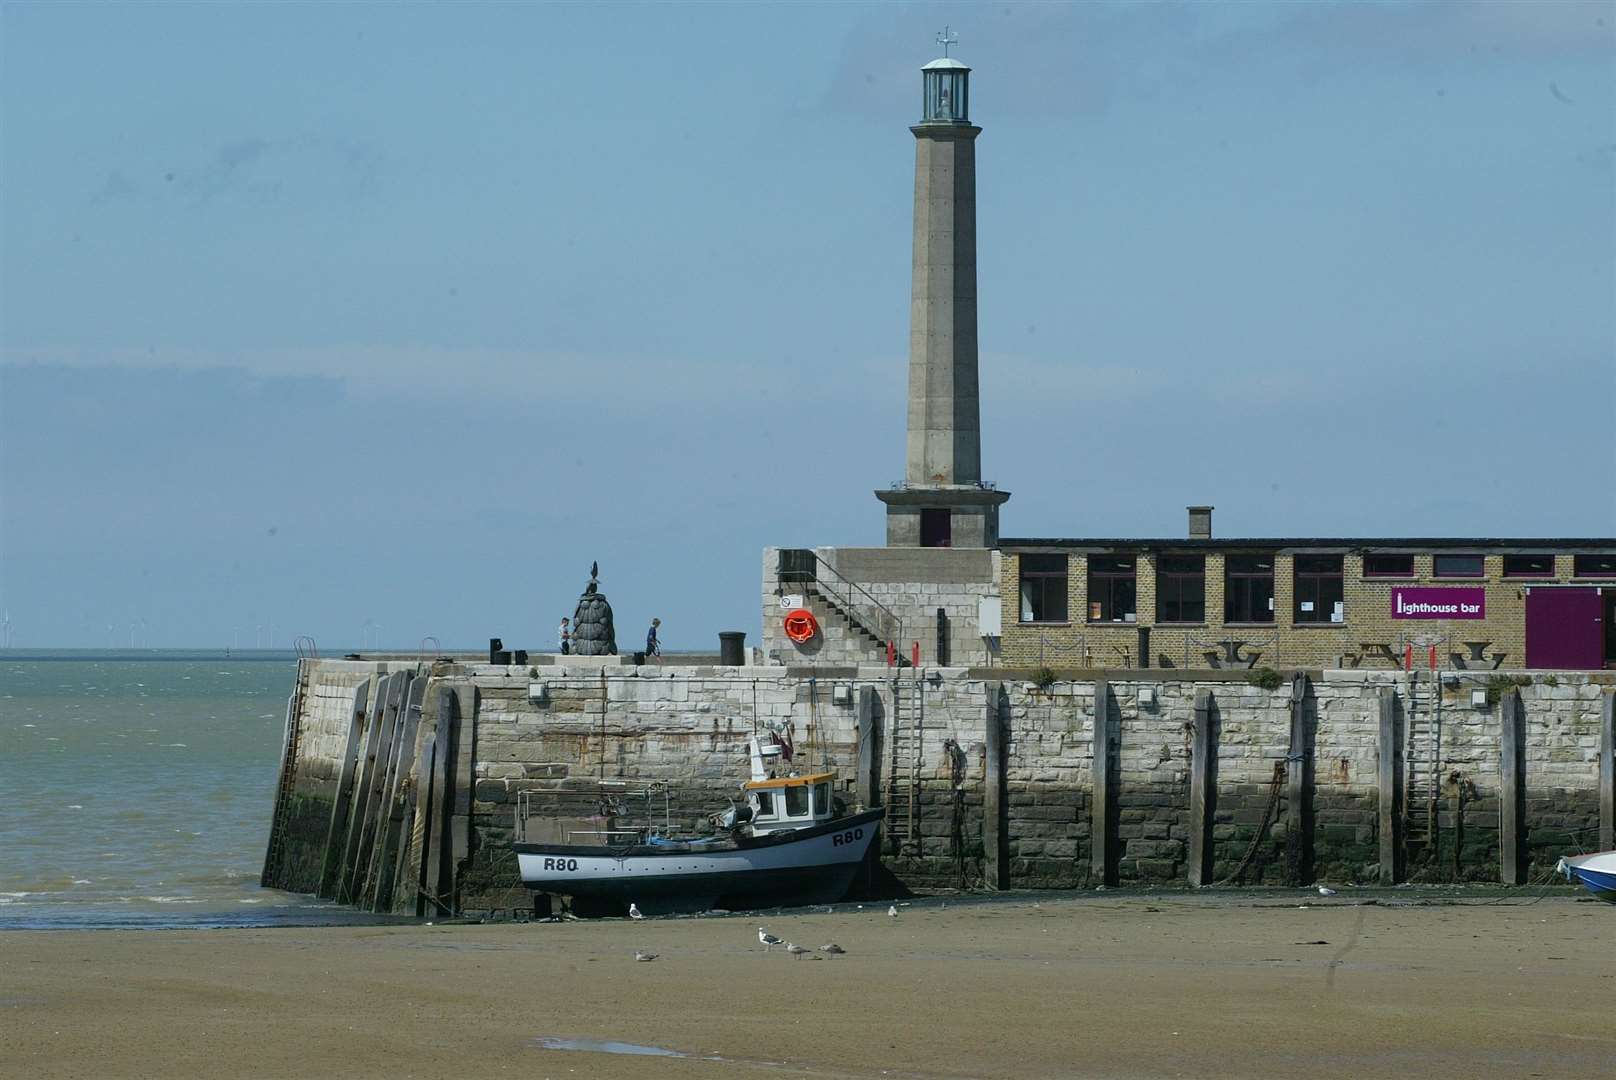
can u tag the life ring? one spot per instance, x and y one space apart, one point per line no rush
800 625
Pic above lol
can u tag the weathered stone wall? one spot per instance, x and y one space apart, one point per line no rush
912 583
550 728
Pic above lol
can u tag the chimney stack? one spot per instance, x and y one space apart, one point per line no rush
1200 522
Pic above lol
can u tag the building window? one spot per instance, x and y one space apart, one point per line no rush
1388 566
1043 588
1112 589
1319 595
1181 589
1459 566
1600 566
1528 565
1248 589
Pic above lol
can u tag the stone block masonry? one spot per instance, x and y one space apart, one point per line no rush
487 734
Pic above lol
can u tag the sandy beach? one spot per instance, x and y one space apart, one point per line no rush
1093 986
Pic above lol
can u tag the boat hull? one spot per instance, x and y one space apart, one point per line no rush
804 866
1596 873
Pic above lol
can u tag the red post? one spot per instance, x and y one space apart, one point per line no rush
1408 657
1433 657
892 653
915 655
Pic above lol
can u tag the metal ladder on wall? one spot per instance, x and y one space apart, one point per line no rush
274 873
1422 766
903 785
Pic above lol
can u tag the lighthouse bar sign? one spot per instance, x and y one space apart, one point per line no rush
1428 603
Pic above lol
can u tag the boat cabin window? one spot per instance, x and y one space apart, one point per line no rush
797 800
821 799
765 803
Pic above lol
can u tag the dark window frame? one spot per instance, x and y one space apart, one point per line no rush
1436 565
1398 573
1509 573
1321 581
1579 569
1046 596
1240 587
1181 589
1108 585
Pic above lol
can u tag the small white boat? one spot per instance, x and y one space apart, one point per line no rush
1596 873
785 845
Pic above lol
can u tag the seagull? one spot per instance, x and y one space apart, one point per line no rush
644 957
768 940
893 911
795 950
832 947
634 911
1326 892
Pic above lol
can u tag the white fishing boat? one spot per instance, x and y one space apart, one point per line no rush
1596 873
783 845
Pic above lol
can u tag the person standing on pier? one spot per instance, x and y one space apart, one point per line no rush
653 647
566 636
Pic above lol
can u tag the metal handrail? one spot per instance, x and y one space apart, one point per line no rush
892 630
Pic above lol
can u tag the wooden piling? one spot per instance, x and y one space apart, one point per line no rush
995 836
1299 785
1389 828
1607 771
337 832
434 863
384 865
1203 790
375 779
381 686
1102 842
868 779
1511 789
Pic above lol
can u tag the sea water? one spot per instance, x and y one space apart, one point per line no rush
136 788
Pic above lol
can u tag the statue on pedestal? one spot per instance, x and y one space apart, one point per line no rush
592 631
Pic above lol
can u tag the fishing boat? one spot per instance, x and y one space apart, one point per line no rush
1596 873
784 844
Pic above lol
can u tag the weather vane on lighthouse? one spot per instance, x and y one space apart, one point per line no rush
945 39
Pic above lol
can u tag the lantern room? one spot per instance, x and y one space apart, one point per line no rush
946 93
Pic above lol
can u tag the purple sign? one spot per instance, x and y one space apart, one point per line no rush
1414 602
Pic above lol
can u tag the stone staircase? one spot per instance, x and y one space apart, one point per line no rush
858 629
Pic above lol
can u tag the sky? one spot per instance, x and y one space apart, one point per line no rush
379 322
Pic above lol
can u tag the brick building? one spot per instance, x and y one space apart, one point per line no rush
1198 602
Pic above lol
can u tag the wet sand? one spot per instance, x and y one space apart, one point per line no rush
1094 986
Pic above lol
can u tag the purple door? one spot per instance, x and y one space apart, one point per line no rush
1564 629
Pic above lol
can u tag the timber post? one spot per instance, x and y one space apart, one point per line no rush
1607 771
1511 793
867 779
337 832
1299 785
1389 823
1102 848
1203 790
995 841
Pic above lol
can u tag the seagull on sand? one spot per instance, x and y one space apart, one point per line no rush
893 911
644 957
795 950
768 940
832 947
1326 892
634 911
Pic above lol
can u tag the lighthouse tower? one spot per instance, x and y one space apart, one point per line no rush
942 501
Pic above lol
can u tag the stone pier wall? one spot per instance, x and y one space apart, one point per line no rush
1277 813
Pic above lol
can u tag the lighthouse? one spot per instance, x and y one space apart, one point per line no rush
942 500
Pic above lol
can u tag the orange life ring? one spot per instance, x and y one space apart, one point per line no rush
800 625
